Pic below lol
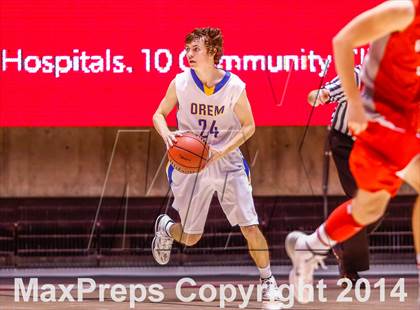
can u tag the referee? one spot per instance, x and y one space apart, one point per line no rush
353 254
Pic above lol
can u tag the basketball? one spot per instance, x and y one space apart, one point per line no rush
189 154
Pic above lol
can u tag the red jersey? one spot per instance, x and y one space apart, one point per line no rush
391 76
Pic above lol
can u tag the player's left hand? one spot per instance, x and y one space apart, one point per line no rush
214 156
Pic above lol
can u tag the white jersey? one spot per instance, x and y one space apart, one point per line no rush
211 116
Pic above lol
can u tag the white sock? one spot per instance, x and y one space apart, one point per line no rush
318 241
168 227
265 273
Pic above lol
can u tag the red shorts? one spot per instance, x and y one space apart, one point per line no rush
378 154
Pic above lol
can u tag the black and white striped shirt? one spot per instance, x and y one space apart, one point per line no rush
339 116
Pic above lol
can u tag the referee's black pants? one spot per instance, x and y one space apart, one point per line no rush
354 252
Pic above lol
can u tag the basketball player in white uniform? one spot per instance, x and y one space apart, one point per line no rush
211 103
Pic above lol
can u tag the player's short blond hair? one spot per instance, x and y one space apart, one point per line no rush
213 40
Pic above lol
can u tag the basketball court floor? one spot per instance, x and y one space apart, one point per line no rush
172 302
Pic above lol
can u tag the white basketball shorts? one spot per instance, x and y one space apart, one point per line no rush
229 177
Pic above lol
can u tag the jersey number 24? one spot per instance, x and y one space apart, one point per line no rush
212 131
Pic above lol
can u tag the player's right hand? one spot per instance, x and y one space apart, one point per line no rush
357 118
170 138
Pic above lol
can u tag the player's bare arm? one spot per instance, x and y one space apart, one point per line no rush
243 112
389 17
159 118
